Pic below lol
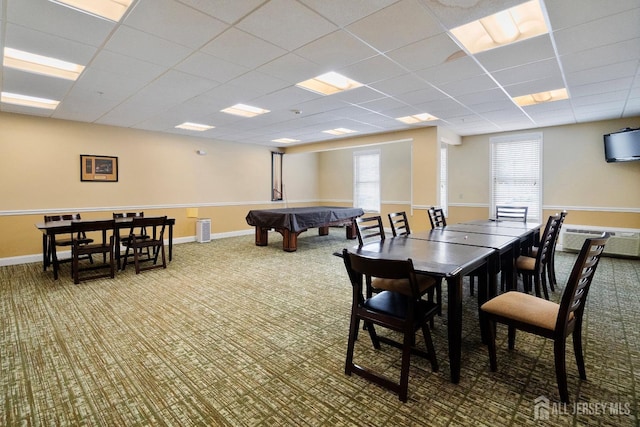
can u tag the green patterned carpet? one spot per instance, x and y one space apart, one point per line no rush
239 335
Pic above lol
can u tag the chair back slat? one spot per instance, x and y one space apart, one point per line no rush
512 213
548 240
436 217
399 224
369 229
577 289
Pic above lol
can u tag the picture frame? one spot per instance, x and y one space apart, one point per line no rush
94 168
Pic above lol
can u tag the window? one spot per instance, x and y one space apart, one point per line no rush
516 172
444 199
366 174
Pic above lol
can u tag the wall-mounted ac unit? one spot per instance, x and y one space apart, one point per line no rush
625 243
203 230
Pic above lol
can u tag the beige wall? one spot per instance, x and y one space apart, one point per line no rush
158 173
162 174
575 176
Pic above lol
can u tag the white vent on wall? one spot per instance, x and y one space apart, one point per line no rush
621 242
203 230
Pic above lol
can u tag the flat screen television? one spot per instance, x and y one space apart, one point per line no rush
622 146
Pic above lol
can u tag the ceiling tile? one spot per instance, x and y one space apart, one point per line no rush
525 52
336 50
426 53
33 41
242 48
286 23
146 47
415 24
51 18
229 11
342 12
212 68
168 19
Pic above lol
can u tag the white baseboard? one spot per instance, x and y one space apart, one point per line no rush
27 259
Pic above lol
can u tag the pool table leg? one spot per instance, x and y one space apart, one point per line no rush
262 234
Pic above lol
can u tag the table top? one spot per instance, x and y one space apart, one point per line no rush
432 257
496 230
66 224
302 218
494 241
504 224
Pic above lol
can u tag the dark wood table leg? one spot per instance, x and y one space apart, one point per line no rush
45 251
454 323
262 234
54 256
487 289
170 241
351 230
289 240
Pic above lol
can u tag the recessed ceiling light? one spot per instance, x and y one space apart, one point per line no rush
285 140
28 101
339 131
541 97
417 118
329 83
106 9
244 110
508 26
194 126
38 64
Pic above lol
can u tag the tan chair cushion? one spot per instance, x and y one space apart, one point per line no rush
526 263
524 308
402 285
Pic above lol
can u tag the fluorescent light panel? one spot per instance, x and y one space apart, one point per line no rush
339 131
28 101
285 140
417 118
329 83
508 26
541 97
38 64
113 10
194 126
244 110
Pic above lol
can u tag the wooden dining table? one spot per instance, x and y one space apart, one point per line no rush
446 260
484 247
53 228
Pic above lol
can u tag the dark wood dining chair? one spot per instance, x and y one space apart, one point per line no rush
104 247
66 242
555 321
403 312
436 217
140 234
370 229
400 227
399 224
512 213
534 268
550 266
154 242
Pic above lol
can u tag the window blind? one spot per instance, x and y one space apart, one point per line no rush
516 172
367 180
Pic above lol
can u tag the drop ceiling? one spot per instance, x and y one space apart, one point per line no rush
173 61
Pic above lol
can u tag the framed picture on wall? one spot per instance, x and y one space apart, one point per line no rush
98 168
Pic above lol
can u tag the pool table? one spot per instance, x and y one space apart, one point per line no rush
290 222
